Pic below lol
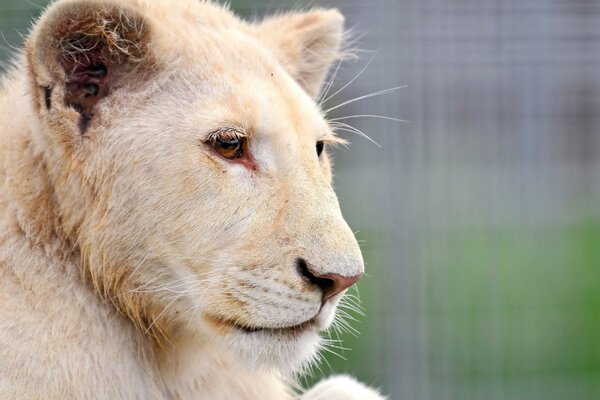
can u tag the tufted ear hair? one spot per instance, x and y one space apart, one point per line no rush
306 44
79 52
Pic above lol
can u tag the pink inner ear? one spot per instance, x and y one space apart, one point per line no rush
87 83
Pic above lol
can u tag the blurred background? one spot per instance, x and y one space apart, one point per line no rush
480 217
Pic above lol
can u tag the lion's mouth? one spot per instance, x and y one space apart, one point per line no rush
248 329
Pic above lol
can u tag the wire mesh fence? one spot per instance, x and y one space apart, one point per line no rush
480 216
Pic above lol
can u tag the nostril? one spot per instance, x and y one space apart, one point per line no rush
330 284
323 283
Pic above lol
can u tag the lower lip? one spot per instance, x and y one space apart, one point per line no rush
291 330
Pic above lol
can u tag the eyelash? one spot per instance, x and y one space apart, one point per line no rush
228 143
231 144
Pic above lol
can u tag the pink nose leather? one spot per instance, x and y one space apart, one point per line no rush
330 284
337 284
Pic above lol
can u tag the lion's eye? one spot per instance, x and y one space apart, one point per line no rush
228 148
320 147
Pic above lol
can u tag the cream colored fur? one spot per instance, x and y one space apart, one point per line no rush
130 253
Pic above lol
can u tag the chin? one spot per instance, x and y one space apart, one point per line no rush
287 351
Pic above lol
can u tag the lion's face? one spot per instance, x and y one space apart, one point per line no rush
196 180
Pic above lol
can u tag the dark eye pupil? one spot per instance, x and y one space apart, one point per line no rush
320 147
228 148
228 144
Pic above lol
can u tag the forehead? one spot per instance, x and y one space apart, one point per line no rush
232 79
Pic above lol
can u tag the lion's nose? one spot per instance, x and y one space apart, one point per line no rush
330 283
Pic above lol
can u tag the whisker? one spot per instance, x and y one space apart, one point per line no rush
353 309
345 327
327 349
346 315
353 79
349 128
369 116
342 348
330 83
355 306
161 313
335 331
193 316
318 364
366 96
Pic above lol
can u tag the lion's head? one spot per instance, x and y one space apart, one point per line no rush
189 168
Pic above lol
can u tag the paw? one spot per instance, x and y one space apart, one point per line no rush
341 388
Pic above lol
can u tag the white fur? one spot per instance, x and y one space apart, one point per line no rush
341 387
128 249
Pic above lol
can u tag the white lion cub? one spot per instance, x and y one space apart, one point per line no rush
168 228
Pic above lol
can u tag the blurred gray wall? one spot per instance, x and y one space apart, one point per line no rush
474 206
480 217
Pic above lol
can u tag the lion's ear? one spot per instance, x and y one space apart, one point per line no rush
306 44
79 52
